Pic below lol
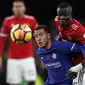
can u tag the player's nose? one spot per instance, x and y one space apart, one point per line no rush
62 17
38 38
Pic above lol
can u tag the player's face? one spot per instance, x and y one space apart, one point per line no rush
64 16
18 8
41 37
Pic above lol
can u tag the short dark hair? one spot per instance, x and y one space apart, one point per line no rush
65 5
44 27
19 1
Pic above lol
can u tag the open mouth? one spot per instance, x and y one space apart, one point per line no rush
62 21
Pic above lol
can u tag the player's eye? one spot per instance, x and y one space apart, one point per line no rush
41 34
35 35
65 15
62 14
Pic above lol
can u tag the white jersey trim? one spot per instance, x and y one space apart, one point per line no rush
73 46
9 17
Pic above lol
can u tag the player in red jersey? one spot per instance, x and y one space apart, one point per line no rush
20 57
70 30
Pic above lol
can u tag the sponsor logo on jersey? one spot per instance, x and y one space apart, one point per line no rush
54 65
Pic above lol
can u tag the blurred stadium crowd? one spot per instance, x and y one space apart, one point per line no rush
44 11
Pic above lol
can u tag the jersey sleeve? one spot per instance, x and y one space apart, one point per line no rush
81 36
3 34
79 33
65 47
56 22
79 48
68 47
4 29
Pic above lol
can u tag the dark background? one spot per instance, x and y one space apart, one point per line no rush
44 10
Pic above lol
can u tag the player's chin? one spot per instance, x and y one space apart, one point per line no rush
41 46
63 25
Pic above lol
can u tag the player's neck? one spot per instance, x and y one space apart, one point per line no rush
19 16
48 44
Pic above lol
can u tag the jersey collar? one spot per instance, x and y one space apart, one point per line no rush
20 17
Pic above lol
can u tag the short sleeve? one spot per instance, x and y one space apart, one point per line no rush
78 32
4 29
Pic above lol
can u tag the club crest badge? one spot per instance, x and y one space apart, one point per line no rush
54 56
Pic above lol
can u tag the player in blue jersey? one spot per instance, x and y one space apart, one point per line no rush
54 55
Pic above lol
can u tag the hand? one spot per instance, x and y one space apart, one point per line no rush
71 75
76 68
1 63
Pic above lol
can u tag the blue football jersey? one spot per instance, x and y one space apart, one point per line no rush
57 60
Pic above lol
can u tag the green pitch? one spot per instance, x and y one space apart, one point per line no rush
39 81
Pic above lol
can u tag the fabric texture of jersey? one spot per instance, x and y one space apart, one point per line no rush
57 61
16 51
75 32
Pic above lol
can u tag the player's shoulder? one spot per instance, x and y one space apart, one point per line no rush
40 51
9 17
56 19
60 43
29 17
76 24
55 44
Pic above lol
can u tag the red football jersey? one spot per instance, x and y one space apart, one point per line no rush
75 32
17 51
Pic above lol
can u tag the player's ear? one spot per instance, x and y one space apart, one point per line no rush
24 8
49 35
